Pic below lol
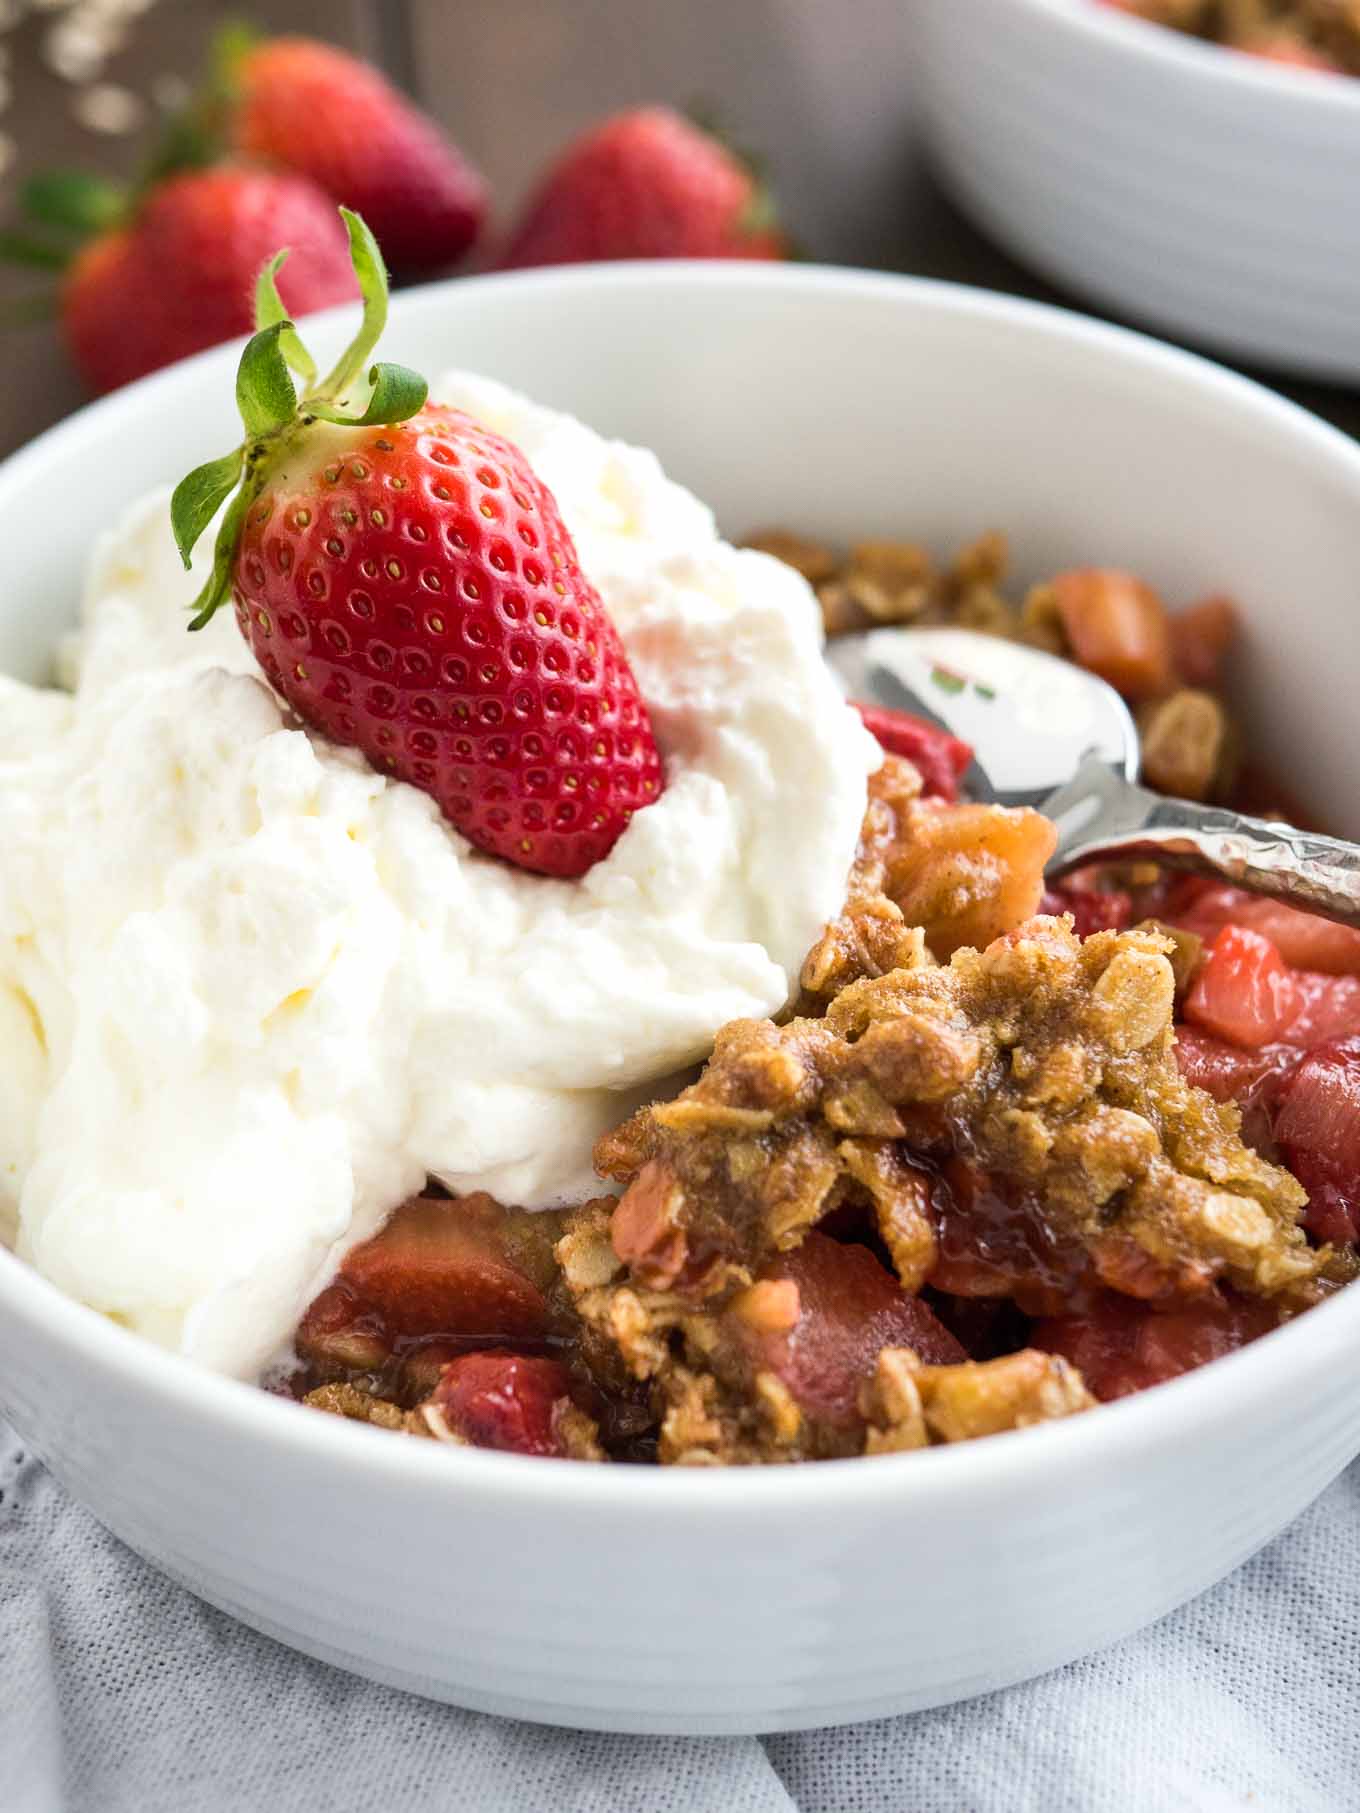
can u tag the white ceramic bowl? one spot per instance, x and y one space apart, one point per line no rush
651 1600
1209 194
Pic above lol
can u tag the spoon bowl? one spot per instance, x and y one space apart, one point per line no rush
1047 734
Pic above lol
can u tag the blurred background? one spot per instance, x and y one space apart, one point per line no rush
824 95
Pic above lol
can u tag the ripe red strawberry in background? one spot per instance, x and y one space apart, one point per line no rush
646 184
409 587
326 115
180 275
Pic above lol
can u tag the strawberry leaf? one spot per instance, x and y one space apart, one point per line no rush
397 393
218 588
269 310
372 275
75 200
264 391
199 497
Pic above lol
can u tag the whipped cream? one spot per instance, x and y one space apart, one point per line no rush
253 992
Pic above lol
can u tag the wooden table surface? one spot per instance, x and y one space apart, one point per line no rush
827 103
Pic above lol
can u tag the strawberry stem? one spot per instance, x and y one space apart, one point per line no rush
269 309
372 275
273 415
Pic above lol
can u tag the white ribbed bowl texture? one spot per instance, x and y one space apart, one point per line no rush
642 1600
1205 193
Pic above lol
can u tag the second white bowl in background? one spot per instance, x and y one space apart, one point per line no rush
1200 191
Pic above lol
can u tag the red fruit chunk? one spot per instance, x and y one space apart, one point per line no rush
181 275
850 1307
339 1330
315 110
1117 628
1092 909
942 759
1317 1126
1243 992
994 1241
439 1269
646 184
1231 1073
1282 47
1200 639
1302 939
1325 1008
1121 1346
420 599
503 1400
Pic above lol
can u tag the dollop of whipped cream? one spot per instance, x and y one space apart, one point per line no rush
253 992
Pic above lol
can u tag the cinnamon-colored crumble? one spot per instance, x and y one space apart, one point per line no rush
968 1185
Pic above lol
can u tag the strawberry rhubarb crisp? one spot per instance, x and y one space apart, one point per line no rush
1322 35
489 983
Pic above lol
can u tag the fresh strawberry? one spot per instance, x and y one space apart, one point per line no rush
645 184
180 274
1243 992
942 759
503 1400
408 585
326 115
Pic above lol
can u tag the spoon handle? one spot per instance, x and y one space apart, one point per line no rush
1103 818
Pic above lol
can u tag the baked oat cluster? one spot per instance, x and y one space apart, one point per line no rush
966 1188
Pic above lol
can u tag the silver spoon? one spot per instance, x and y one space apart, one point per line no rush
1047 734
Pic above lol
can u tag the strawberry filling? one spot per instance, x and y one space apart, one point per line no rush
502 1400
941 759
1121 1346
848 1307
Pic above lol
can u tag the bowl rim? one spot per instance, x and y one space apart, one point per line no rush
1163 48
1181 1411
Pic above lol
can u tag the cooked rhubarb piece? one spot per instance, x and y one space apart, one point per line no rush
1231 1073
1326 1008
948 875
1303 939
846 1308
1120 1346
1093 909
1244 992
451 1268
501 1400
941 759
967 874
1201 638
1116 627
1318 1129
339 1333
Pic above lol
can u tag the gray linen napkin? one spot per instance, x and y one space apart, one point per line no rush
119 1693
